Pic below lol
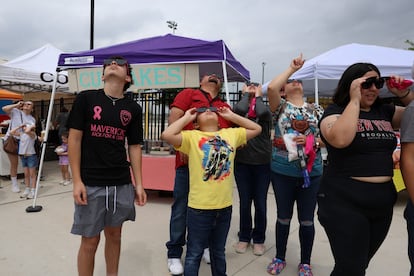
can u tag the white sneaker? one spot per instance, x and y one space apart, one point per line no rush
15 188
175 266
206 256
30 195
25 193
66 183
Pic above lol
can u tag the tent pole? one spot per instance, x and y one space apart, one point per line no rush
316 90
226 85
38 208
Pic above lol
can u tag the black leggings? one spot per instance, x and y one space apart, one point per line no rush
356 217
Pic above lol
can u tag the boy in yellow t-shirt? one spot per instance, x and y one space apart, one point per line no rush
211 152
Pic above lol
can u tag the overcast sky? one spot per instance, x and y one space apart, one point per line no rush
270 31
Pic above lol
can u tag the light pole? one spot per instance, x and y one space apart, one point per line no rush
263 67
92 22
172 25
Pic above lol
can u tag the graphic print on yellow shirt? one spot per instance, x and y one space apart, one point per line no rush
211 166
216 161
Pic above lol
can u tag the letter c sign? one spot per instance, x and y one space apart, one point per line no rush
48 77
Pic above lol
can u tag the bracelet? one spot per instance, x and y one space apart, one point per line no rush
408 92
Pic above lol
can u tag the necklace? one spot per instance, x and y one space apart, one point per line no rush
113 99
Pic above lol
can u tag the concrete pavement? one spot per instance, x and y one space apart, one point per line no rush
38 244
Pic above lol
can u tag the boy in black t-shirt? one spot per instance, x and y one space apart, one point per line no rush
99 124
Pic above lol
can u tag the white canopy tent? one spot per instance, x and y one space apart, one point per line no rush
34 70
321 74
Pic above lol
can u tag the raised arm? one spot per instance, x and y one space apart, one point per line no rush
276 84
262 109
8 108
172 134
252 129
340 129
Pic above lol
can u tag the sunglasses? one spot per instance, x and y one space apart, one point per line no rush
204 109
379 83
293 80
119 61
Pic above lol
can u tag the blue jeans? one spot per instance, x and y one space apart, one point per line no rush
252 184
409 217
287 190
207 227
178 220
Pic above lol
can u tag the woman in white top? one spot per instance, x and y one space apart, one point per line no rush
16 119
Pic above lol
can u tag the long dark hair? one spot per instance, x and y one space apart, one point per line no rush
357 70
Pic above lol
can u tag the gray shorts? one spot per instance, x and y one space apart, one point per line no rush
107 206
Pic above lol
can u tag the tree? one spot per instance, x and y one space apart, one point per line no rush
409 42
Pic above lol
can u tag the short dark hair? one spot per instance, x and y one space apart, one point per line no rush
356 70
129 71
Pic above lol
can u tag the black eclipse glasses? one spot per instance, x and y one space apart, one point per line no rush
204 109
119 61
292 80
378 82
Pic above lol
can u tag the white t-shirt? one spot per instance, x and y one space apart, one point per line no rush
16 119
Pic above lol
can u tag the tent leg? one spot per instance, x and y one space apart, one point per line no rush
226 85
34 207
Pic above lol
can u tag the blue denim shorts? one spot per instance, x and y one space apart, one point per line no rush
29 161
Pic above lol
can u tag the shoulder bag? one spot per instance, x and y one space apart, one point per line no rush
11 145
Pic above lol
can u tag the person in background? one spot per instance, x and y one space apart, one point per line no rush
62 152
296 165
102 190
252 171
16 120
406 166
357 194
207 95
28 157
211 151
61 121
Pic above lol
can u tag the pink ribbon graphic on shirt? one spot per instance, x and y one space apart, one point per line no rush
97 110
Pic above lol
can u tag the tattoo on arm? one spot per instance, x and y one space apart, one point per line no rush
330 124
